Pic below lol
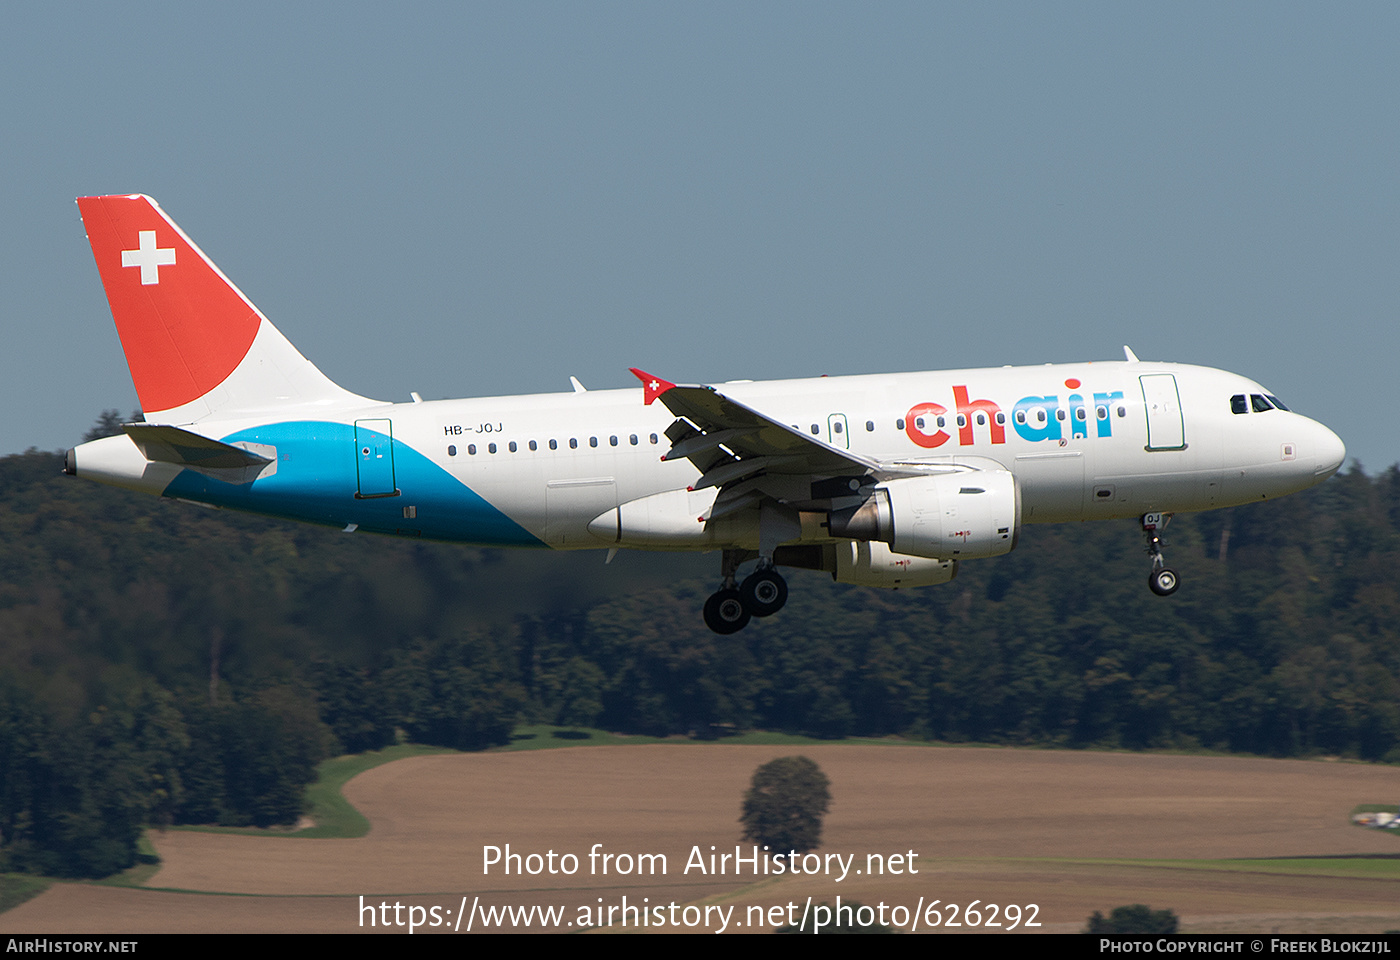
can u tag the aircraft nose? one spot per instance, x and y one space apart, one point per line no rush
1330 452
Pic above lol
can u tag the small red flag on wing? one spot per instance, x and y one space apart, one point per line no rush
652 387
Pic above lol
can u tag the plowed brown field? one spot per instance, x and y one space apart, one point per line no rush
985 824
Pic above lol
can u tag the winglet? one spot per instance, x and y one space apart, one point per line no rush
652 387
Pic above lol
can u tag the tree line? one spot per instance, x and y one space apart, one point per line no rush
165 663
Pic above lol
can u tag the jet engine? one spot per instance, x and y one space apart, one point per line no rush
872 564
953 516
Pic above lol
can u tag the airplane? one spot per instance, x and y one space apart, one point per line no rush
883 481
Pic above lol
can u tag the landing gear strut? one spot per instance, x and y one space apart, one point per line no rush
725 612
762 594
1163 580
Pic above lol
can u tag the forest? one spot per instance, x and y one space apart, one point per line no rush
165 663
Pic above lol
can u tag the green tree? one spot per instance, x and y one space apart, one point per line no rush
109 424
784 805
1137 918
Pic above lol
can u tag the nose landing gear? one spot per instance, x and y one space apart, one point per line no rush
1163 580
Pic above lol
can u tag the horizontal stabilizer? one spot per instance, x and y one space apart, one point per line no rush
168 444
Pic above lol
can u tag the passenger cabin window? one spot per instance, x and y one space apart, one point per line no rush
512 446
554 444
451 451
471 449
573 443
653 438
1238 404
870 426
533 446
899 424
491 447
612 441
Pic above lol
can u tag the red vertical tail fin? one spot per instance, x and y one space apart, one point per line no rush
196 346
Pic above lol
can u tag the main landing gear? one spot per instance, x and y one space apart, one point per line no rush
1163 580
725 612
762 594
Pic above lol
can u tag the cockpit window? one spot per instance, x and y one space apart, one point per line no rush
1259 403
1238 404
1276 401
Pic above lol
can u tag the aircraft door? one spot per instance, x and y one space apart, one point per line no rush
374 459
1165 429
838 433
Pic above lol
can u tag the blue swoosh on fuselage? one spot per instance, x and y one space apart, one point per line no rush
316 481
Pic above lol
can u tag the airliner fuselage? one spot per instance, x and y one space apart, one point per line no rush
886 480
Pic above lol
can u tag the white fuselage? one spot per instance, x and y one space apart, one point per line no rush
1108 445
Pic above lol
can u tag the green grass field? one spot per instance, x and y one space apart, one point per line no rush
545 737
15 889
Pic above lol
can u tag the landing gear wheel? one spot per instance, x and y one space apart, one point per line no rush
725 612
764 592
1163 581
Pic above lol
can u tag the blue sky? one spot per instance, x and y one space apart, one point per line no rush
475 199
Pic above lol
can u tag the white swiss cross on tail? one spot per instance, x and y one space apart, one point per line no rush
149 257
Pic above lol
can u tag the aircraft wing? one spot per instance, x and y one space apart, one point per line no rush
748 454
728 426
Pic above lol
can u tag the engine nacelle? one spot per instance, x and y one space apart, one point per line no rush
873 564
671 521
954 516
